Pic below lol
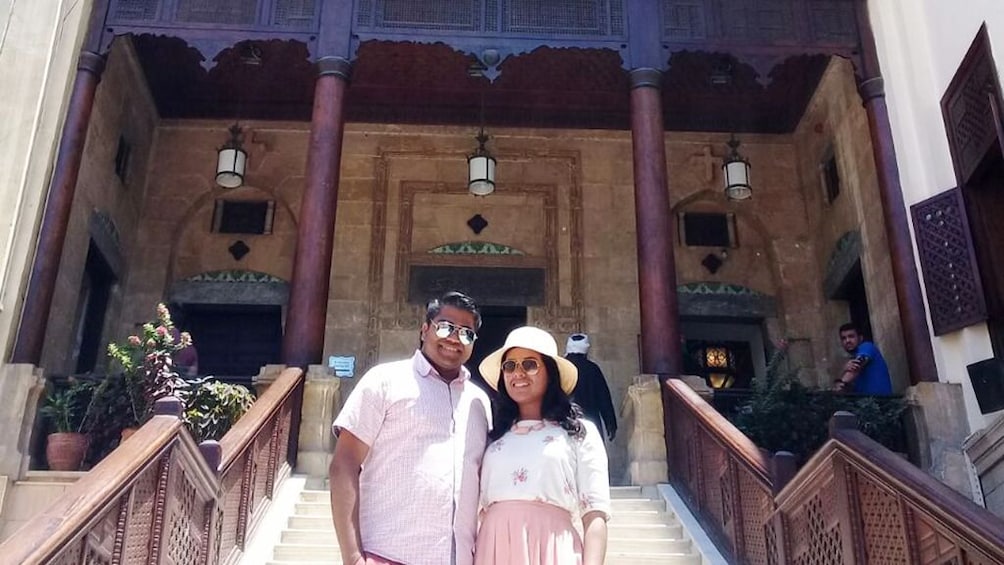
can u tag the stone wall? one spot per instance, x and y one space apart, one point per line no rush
836 121
565 200
105 206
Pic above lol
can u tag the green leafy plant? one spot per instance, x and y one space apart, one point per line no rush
212 407
147 364
784 414
65 405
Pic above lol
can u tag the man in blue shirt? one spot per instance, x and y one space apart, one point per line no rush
866 371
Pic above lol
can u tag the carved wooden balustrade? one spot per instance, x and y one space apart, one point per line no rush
853 502
160 498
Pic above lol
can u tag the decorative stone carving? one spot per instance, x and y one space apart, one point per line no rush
321 399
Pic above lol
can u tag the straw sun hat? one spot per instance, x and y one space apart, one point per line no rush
535 339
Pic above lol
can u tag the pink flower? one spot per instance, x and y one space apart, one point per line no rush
135 341
161 331
519 475
161 310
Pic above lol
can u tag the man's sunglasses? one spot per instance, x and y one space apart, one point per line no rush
529 365
445 328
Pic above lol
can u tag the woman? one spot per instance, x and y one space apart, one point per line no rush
545 466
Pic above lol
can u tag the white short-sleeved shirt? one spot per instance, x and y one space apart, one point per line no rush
418 489
545 464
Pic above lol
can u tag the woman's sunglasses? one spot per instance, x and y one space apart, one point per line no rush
529 365
445 328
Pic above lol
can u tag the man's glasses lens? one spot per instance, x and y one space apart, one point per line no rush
530 366
444 329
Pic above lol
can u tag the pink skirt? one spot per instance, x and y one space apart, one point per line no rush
518 532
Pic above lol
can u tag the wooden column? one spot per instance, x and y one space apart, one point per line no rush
660 319
55 219
913 314
303 341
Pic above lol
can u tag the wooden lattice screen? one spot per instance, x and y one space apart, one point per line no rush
948 260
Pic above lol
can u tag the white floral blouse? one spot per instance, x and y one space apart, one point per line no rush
539 461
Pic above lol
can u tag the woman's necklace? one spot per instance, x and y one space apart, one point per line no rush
523 429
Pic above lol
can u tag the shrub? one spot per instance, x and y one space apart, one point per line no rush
784 414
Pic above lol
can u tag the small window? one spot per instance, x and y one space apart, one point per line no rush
243 216
702 229
831 177
122 154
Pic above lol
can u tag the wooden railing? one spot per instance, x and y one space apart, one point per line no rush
160 498
854 502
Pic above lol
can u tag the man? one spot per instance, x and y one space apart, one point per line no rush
404 476
866 371
591 392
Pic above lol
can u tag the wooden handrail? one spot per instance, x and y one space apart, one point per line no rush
724 431
975 523
43 536
243 433
853 502
156 497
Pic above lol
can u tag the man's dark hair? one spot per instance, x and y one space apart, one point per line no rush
849 326
459 301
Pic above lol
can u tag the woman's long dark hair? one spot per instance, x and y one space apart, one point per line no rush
556 406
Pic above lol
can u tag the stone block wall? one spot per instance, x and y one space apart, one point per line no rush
835 121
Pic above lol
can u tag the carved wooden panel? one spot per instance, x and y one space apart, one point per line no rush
966 108
947 258
756 508
541 18
832 21
881 523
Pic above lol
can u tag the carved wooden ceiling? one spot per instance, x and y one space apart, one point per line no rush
403 82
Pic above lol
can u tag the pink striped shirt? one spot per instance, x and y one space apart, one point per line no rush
419 486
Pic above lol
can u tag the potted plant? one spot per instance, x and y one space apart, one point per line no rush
147 366
65 408
212 407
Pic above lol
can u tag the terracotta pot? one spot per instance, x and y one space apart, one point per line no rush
65 451
126 434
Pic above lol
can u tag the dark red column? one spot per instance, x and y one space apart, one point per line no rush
660 319
55 219
913 314
303 342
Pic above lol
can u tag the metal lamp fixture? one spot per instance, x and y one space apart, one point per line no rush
481 168
736 171
231 163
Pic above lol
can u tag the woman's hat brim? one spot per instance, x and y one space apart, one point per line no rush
533 339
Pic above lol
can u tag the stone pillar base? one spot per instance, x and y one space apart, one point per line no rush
985 449
321 400
641 417
266 376
937 428
21 387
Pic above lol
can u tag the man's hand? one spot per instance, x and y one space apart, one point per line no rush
853 366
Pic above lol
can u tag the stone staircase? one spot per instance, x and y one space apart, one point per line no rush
642 531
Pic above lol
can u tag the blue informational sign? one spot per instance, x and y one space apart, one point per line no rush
343 366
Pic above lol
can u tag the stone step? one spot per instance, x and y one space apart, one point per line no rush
315 496
302 544
622 504
626 492
313 509
642 517
305 552
652 559
671 531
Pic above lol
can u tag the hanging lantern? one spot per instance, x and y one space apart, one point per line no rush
481 169
736 171
232 160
